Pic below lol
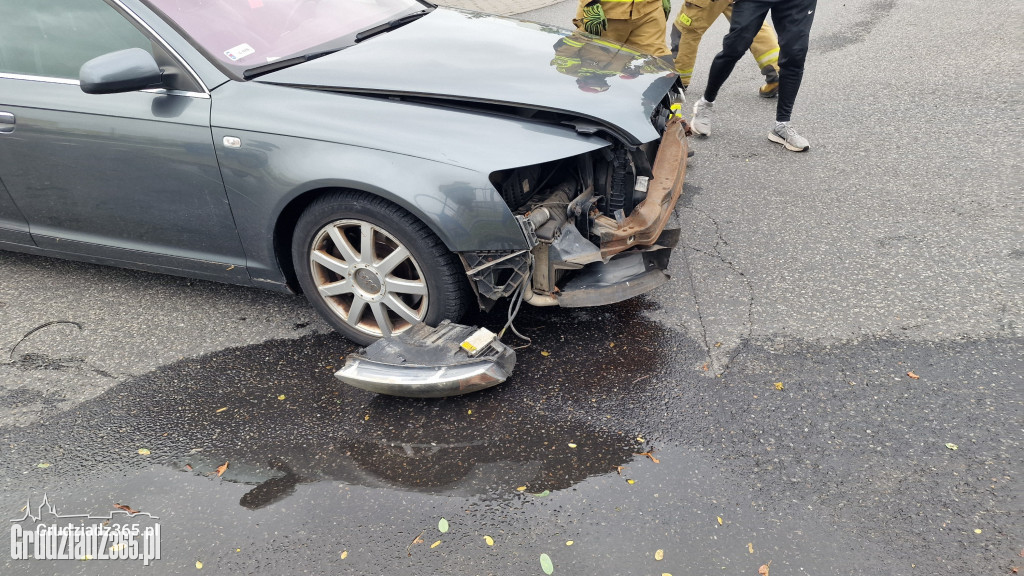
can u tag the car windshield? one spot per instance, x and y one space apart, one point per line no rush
246 34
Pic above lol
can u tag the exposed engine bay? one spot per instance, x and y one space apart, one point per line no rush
597 224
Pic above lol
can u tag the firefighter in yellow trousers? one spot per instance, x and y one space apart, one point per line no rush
639 24
696 17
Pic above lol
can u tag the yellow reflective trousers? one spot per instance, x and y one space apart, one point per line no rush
639 24
696 16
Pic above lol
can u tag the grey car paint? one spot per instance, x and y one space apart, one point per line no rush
182 215
464 56
428 160
13 227
128 177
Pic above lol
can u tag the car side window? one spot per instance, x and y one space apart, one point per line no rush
53 38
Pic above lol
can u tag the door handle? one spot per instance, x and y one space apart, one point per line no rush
6 122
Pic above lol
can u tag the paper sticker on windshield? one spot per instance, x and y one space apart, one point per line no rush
239 52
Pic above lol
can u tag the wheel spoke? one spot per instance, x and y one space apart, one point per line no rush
391 261
383 322
339 267
355 312
403 286
348 249
343 245
367 252
336 288
401 308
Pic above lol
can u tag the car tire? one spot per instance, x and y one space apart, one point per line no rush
408 276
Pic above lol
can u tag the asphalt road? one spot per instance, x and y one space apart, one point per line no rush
769 379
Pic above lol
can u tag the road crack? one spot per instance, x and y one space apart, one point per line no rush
715 253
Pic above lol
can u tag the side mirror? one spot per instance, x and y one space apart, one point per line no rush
121 71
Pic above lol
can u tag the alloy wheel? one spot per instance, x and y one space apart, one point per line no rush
368 278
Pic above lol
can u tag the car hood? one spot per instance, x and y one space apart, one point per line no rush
451 55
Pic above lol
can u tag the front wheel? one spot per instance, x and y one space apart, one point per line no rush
371 269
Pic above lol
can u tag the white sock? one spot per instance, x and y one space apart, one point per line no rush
706 102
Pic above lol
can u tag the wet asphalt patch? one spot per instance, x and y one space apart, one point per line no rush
826 460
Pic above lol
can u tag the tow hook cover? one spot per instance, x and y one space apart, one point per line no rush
425 362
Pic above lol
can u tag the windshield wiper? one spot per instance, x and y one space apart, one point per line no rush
284 63
388 26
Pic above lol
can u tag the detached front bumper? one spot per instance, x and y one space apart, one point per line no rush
425 362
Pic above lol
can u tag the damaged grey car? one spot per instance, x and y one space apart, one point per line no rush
396 162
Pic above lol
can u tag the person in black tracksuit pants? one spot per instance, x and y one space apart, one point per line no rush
792 19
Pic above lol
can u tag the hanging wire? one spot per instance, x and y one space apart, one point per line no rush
514 305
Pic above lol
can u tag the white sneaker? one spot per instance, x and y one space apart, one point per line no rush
785 134
703 114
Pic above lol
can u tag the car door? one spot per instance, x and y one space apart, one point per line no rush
128 178
13 227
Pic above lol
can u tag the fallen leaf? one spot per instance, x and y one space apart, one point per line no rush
117 547
43 465
912 375
546 565
720 521
542 494
779 386
435 544
951 446
618 470
219 410
144 451
127 509
570 542
188 467
640 439
704 367
199 565
611 345
649 454
977 530
442 525
367 417
631 481
521 489
571 445
659 554
718 344
222 469
763 570
545 353
750 547
344 554
469 411
280 396
489 540
665 574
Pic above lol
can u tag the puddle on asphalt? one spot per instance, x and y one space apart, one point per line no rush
276 413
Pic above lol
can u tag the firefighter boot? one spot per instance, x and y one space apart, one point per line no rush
771 82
